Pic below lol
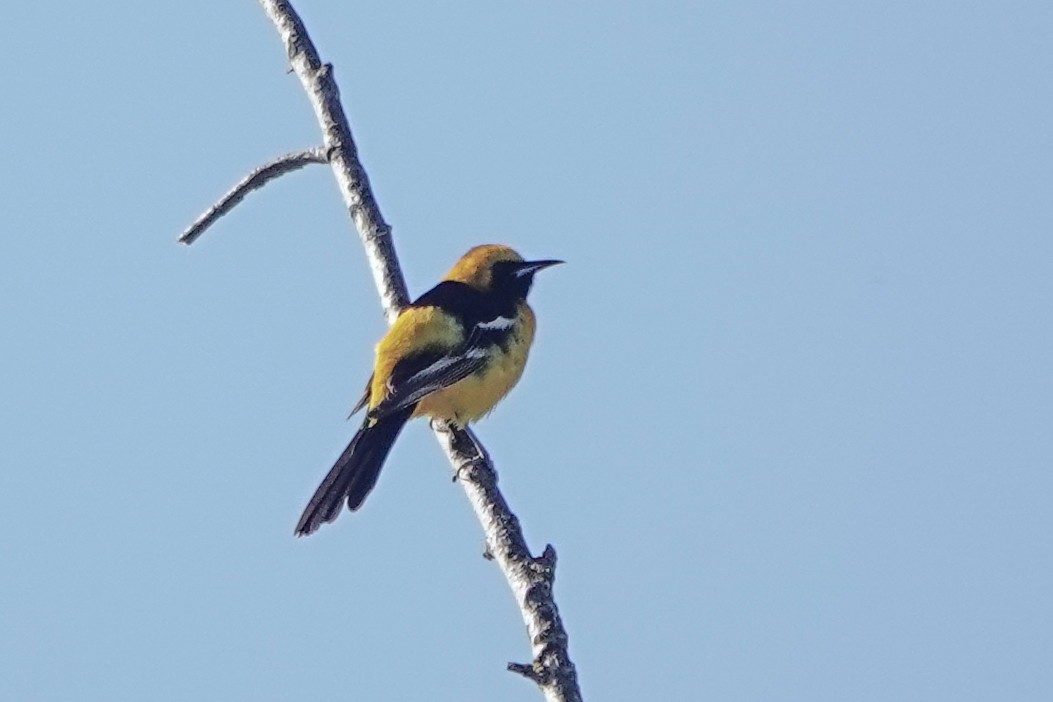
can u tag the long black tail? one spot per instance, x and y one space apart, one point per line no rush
355 473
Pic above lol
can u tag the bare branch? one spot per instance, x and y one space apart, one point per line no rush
253 181
530 578
318 81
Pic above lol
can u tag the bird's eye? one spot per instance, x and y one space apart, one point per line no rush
502 270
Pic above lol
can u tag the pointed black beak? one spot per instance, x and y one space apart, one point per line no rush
528 268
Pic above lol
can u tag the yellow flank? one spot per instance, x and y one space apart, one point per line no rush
476 267
474 397
414 330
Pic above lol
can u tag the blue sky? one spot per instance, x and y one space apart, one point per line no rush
787 420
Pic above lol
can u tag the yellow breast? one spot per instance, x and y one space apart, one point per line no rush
475 396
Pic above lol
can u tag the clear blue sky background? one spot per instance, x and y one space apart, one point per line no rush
788 419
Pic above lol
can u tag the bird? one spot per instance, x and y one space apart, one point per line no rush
451 355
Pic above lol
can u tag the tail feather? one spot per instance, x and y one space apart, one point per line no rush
355 473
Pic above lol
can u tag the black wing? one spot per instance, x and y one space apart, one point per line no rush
418 376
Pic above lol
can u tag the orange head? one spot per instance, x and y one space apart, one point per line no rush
493 266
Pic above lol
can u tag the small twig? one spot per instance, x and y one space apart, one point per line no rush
527 671
253 181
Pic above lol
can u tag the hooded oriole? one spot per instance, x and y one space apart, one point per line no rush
451 355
